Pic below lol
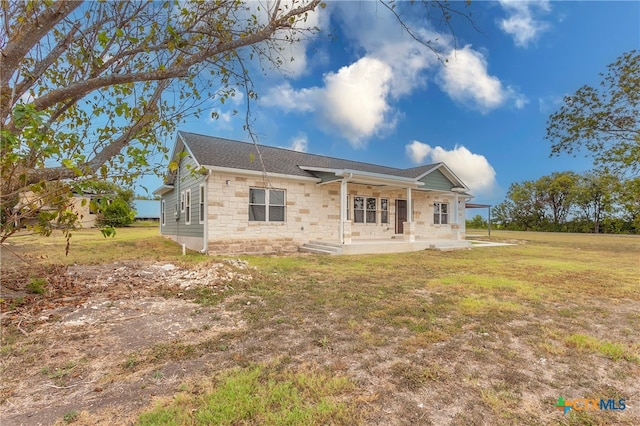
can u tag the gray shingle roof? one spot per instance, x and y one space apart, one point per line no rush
218 152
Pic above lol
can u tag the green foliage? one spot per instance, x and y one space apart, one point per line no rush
108 231
82 88
591 202
477 222
605 120
37 286
70 416
115 213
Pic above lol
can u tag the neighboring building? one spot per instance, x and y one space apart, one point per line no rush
80 204
147 210
230 197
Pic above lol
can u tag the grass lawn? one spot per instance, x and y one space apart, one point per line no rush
490 335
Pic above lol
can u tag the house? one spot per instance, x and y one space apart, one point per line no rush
228 197
81 204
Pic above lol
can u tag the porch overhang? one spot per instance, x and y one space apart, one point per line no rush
364 178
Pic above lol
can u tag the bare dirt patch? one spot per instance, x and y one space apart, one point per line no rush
104 336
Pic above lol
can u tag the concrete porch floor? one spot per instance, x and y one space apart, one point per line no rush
383 246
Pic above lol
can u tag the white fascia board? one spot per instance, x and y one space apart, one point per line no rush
163 189
234 171
184 143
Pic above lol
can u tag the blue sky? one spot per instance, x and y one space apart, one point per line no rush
370 93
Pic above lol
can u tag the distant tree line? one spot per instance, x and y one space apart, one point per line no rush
604 122
595 202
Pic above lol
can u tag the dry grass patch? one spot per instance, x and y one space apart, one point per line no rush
481 336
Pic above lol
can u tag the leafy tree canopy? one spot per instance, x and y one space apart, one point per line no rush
603 120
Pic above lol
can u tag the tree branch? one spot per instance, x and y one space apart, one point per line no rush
30 34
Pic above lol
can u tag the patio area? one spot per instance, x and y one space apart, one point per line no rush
393 245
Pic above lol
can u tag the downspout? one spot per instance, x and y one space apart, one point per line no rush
343 196
205 247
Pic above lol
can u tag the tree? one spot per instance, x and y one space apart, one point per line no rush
629 199
557 192
595 197
89 90
477 222
605 120
112 203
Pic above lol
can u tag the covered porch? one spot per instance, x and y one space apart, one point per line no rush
409 213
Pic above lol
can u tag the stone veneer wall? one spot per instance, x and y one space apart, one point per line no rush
312 213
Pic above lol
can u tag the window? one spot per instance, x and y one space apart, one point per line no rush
187 208
364 209
201 204
358 209
440 213
266 205
163 213
372 205
384 210
182 202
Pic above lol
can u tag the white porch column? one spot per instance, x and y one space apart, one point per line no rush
343 208
455 227
455 209
409 226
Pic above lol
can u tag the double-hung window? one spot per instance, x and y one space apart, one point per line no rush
266 205
364 209
372 205
440 213
187 207
182 202
201 201
384 210
163 213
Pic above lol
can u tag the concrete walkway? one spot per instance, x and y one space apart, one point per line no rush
480 243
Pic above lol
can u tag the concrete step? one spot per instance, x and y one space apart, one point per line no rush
326 243
319 247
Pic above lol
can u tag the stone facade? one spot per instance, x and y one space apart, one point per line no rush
312 212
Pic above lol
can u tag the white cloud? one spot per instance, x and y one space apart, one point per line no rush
352 100
466 80
358 100
355 99
417 151
522 22
299 143
474 169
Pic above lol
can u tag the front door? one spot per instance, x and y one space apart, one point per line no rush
401 215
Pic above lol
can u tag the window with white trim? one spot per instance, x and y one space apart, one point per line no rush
266 205
187 207
163 213
384 210
182 202
358 209
440 213
372 207
201 201
365 209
